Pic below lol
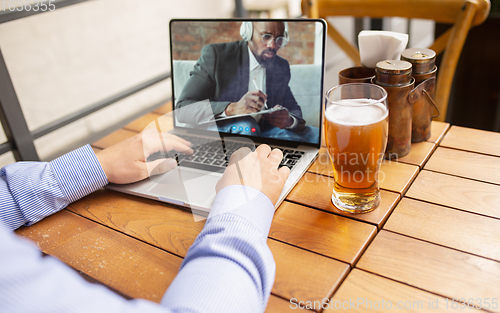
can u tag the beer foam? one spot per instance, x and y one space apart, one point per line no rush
356 112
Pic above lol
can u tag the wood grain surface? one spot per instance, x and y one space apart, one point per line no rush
440 241
366 292
174 230
393 176
474 140
444 271
448 227
457 192
278 305
113 138
118 262
315 191
162 225
303 275
465 164
324 233
141 123
127 265
438 131
397 176
164 109
152 120
419 154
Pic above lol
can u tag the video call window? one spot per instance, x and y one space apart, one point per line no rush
260 78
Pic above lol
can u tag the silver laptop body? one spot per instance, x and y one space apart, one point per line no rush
194 186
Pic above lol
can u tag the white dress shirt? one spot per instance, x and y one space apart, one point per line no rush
257 81
229 267
257 74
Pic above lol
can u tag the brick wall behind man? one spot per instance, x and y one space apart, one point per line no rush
191 37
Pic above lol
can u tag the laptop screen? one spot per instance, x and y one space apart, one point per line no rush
253 78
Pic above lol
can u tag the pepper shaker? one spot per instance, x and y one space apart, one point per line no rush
424 71
395 77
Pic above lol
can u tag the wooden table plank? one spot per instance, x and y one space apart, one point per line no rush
159 224
165 122
114 138
174 230
164 109
100 253
278 305
327 234
438 131
141 123
440 270
465 164
127 265
448 227
419 154
297 279
397 176
457 192
393 176
96 149
474 140
316 191
366 292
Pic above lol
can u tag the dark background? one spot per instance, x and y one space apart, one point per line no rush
474 98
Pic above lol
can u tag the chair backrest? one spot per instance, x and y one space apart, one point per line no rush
463 14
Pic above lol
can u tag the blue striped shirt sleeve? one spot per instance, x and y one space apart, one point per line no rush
229 267
30 191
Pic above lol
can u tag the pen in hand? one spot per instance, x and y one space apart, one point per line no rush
257 87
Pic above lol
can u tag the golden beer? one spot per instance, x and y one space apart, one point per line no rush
356 136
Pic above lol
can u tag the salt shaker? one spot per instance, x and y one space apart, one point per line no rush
395 77
424 71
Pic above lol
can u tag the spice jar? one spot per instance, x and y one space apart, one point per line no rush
395 77
424 71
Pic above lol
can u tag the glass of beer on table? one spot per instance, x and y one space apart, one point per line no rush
356 128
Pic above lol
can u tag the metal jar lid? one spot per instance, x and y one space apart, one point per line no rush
422 59
393 73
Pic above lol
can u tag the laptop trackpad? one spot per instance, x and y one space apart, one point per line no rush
186 186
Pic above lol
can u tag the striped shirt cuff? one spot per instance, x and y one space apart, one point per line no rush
246 202
79 173
30 191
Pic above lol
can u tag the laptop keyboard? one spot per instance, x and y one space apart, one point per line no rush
214 155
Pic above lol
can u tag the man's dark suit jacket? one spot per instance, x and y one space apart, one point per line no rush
221 75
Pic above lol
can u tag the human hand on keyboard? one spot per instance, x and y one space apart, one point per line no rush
127 161
257 169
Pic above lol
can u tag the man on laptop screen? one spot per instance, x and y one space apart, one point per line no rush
247 85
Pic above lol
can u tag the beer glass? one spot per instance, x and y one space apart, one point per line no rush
356 128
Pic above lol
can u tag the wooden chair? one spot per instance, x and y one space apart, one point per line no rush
255 8
463 14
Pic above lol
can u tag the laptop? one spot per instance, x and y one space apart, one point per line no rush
204 82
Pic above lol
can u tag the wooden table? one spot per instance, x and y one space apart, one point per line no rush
435 236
